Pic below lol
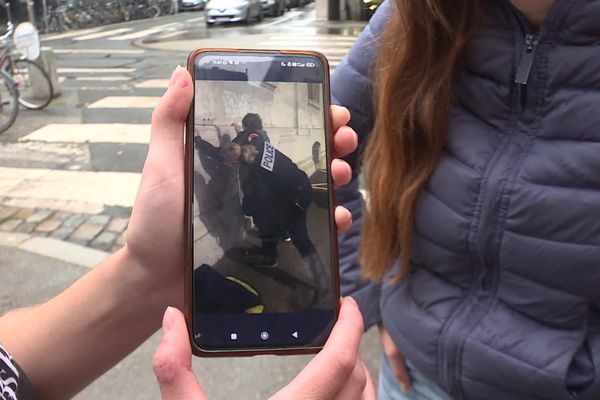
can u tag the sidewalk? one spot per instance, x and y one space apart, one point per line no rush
30 278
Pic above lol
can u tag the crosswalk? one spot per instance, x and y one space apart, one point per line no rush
118 122
122 34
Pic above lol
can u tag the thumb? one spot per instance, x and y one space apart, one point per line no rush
172 361
170 114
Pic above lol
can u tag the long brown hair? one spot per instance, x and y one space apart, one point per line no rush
418 54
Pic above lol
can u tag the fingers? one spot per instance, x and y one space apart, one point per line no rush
172 361
345 141
340 172
355 387
343 219
332 369
340 116
396 359
369 391
170 114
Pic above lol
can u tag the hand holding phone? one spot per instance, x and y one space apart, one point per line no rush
335 373
262 272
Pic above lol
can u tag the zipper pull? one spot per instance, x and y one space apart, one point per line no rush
531 42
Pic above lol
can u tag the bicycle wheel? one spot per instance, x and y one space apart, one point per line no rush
33 83
9 106
153 12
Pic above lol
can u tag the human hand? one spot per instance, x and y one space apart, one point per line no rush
237 127
335 373
396 359
155 239
345 141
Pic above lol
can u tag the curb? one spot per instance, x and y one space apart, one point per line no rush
53 248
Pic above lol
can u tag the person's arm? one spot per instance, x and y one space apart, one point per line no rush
352 88
67 342
202 146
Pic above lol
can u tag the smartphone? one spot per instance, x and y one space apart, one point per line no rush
262 265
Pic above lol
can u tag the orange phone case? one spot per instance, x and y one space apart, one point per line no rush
188 234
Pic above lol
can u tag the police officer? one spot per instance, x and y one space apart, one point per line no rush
277 194
252 127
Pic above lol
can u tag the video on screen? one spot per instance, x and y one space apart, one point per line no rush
261 222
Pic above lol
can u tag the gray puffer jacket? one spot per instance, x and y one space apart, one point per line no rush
503 296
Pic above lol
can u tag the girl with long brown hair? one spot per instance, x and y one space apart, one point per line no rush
480 239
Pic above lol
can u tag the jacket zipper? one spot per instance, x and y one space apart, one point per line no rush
526 63
449 364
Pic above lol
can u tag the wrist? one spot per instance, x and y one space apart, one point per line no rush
159 285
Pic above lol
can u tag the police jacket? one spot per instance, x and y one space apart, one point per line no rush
273 183
502 300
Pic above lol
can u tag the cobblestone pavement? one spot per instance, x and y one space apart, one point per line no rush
101 231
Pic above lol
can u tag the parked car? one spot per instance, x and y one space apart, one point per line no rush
192 5
233 11
273 7
295 3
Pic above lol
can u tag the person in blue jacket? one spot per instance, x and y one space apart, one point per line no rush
480 236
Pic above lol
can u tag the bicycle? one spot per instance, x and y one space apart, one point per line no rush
34 86
9 101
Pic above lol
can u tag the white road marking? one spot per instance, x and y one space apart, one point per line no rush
126 102
153 83
98 51
103 34
103 78
95 70
195 19
69 34
90 133
168 35
314 38
110 188
146 32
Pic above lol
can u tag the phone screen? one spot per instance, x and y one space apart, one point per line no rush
263 232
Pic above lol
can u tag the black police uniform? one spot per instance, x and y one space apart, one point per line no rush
277 195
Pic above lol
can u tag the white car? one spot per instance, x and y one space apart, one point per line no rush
189 5
233 11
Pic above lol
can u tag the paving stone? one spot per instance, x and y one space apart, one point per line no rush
62 233
118 225
7 212
61 215
86 232
10 225
74 220
26 227
23 213
104 241
99 220
48 225
39 216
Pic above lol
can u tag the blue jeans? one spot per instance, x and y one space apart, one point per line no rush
421 388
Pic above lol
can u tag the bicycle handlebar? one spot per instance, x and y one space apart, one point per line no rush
10 30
